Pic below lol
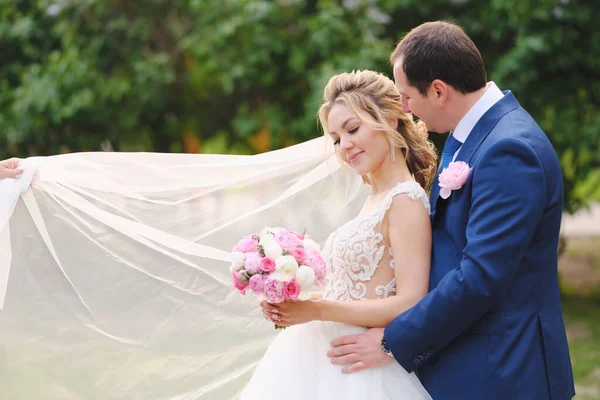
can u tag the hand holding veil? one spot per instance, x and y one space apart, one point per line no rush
116 267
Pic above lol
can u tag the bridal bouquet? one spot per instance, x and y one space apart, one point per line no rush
279 264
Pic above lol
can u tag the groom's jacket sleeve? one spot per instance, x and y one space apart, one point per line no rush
507 203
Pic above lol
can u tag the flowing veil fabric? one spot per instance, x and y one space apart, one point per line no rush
114 267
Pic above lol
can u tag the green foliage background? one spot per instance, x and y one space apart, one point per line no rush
246 76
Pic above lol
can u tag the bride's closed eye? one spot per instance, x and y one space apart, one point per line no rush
350 132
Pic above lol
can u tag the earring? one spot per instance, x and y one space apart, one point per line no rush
393 152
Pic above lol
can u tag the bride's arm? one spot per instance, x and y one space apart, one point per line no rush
409 234
316 295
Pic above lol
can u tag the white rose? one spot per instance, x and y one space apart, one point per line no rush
310 244
272 250
305 277
266 239
237 261
285 268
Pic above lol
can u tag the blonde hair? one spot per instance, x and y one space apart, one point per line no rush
374 93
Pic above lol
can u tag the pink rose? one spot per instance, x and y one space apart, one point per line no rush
239 285
453 177
246 245
273 291
287 240
291 290
267 265
257 283
298 253
252 263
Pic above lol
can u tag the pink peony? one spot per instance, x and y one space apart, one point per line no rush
252 263
239 285
291 290
246 245
267 265
287 240
257 283
453 177
273 291
299 254
321 273
315 260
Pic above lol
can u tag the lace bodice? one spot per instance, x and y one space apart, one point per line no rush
355 251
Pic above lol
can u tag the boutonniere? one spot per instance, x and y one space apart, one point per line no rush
453 177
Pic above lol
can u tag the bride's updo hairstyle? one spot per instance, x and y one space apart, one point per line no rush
375 94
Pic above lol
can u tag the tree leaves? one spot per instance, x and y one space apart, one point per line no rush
247 75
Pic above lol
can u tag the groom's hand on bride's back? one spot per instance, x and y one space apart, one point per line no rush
358 352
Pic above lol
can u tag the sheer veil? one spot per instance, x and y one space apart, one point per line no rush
114 271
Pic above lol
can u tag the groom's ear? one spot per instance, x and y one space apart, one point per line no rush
438 90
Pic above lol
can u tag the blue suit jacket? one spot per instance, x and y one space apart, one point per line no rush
491 326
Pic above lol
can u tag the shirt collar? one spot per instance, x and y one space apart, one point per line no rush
491 96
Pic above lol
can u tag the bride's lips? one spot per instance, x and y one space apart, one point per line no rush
355 156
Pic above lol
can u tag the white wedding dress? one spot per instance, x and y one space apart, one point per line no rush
296 366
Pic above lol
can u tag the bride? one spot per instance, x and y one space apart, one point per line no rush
113 265
381 257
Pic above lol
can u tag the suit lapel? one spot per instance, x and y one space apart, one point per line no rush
477 135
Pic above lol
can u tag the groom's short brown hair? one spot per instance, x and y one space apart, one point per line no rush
440 50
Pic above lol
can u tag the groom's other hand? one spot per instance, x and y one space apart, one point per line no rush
8 168
359 352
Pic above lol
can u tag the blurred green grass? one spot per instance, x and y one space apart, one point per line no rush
580 283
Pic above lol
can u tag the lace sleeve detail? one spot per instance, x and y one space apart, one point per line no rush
355 250
412 189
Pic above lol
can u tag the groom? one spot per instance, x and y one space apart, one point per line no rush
491 326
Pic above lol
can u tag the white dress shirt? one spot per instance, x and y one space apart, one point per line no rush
491 96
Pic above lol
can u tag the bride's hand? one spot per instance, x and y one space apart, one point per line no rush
8 168
292 312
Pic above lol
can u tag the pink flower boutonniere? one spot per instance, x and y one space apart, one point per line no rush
453 177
